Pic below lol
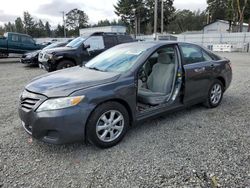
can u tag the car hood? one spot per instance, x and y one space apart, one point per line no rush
64 82
59 49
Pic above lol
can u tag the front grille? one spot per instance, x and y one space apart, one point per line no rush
29 100
28 103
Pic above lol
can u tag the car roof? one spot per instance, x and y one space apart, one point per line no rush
148 44
21 34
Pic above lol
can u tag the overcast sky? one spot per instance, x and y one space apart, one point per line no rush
51 9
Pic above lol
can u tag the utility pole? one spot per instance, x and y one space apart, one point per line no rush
64 29
162 16
155 18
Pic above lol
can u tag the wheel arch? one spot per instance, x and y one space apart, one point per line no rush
66 58
223 81
122 102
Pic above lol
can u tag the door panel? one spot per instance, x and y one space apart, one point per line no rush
14 44
27 44
197 81
198 73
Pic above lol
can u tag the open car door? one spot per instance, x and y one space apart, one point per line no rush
197 69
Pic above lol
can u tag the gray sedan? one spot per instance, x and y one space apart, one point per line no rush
99 101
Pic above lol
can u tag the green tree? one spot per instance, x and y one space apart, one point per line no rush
238 12
76 19
247 15
168 15
103 23
9 27
217 9
59 31
47 29
142 13
28 22
132 12
40 29
19 25
1 30
186 20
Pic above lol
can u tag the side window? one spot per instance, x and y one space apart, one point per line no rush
25 39
124 39
191 54
14 38
110 41
206 56
95 42
166 55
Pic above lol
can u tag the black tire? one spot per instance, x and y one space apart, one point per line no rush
65 64
209 101
95 118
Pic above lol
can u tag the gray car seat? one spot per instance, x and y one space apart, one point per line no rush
159 83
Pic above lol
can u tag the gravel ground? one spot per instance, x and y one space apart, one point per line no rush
196 147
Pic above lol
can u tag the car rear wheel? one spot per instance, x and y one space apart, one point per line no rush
215 94
65 64
107 125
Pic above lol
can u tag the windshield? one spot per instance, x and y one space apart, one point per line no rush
76 42
52 46
117 59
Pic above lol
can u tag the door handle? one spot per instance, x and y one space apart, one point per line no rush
202 69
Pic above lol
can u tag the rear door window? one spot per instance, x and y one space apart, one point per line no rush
193 54
206 56
110 41
25 39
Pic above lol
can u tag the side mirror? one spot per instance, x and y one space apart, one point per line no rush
86 46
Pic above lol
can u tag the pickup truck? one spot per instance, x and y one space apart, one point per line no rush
17 43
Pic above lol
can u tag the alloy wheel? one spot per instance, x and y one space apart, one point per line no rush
110 126
216 94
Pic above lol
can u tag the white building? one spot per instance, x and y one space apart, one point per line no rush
220 26
113 29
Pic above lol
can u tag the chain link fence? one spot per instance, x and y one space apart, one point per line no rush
237 41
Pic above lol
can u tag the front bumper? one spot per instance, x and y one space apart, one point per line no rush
33 60
57 126
48 65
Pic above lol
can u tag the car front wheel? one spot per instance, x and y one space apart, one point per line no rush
107 125
64 64
215 94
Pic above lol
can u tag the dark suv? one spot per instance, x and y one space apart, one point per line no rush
123 85
81 50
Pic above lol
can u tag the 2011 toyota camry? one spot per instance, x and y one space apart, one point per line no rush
124 85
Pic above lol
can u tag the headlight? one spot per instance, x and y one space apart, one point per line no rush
48 56
59 103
